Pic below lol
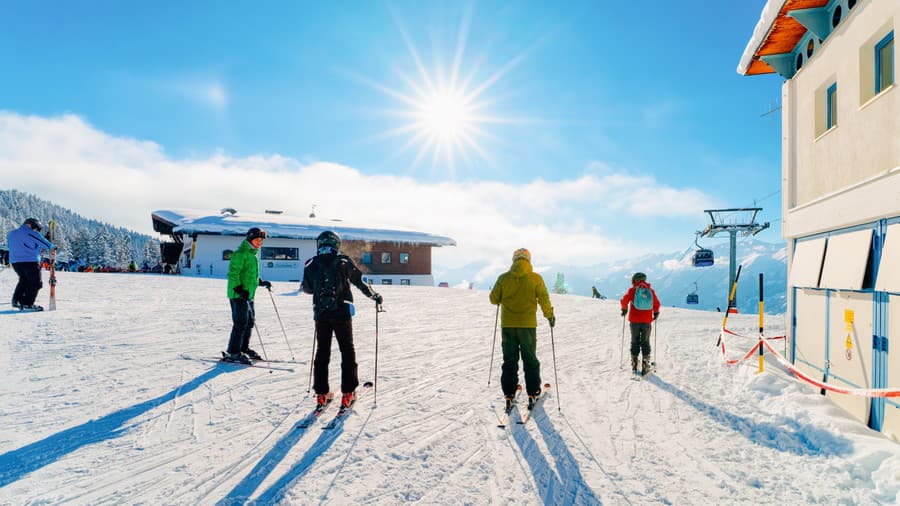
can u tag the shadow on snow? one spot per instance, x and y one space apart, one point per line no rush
786 435
15 464
562 485
277 490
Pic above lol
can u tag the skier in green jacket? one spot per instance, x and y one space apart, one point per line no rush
519 291
243 278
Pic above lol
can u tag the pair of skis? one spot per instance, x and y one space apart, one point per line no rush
259 363
341 415
532 404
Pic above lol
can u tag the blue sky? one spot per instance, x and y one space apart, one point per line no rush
643 104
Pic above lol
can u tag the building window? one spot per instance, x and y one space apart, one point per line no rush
831 106
279 253
386 258
809 48
387 282
404 258
836 16
884 63
366 258
226 255
404 282
799 61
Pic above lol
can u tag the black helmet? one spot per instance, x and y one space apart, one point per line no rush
255 232
638 277
328 238
33 223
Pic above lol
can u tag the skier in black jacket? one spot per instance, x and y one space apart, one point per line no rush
327 276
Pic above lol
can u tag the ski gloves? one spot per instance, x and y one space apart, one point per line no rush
266 284
241 292
552 321
377 298
624 312
656 315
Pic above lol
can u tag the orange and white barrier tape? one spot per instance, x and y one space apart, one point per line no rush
735 361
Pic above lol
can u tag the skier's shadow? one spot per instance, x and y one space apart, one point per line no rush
786 435
276 491
15 464
562 485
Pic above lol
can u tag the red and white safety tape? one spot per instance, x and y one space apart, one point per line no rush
751 337
859 392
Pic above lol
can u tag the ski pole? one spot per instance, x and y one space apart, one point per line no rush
378 309
622 347
262 346
494 345
282 325
653 363
313 359
555 376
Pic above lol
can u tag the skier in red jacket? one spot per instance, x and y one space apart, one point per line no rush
644 309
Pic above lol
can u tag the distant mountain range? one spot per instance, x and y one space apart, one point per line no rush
672 276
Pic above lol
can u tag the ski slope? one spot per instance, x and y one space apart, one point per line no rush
96 407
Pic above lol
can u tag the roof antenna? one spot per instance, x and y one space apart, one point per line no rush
312 214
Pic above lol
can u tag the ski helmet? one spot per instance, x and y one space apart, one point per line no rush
255 233
33 223
328 239
521 253
638 277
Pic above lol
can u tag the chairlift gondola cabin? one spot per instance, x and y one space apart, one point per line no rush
703 257
692 297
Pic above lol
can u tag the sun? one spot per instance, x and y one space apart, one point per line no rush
447 116
445 109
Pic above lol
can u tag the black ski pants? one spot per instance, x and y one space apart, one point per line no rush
29 282
516 342
640 339
342 329
243 317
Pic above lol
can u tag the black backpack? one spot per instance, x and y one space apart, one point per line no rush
330 288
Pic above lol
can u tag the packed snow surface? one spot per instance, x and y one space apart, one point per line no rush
97 407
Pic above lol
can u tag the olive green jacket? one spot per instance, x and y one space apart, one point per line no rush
243 270
518 292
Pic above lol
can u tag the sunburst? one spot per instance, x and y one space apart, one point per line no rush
445 113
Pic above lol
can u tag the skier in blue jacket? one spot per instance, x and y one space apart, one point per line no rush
25 246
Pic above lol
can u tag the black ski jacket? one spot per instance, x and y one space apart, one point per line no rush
349 273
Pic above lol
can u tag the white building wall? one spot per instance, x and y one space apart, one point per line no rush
834 179
206 260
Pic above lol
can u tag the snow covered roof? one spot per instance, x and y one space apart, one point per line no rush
775 33
189 221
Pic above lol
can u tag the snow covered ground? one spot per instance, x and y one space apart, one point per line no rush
96 407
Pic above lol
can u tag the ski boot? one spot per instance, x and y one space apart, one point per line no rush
634 364
32 308
252 354
238 358
532 400
322 400
510 402
645 367
348 399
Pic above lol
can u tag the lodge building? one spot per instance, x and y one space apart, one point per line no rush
201 242
840 111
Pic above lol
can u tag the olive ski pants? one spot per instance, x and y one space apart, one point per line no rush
520 342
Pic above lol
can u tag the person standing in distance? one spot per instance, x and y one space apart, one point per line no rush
644 308
243 279
25 245
518 292
327 276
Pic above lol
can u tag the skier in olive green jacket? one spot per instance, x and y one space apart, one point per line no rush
243 278
519 291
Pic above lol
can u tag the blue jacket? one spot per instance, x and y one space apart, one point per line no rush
25 245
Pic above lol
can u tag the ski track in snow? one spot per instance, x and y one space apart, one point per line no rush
98 408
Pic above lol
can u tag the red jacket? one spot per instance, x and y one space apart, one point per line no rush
639 315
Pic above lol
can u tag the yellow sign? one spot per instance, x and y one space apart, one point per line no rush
848 318
848 343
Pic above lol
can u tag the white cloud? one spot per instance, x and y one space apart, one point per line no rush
120 180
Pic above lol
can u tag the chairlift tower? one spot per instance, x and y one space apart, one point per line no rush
733 221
